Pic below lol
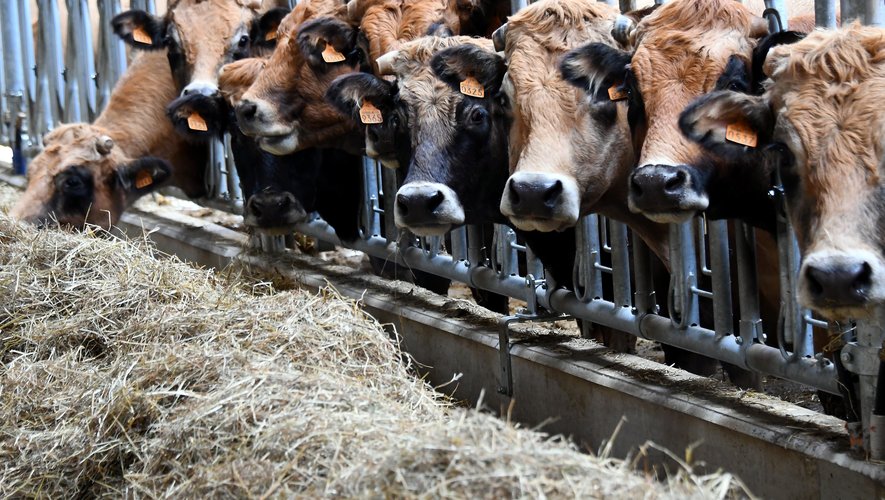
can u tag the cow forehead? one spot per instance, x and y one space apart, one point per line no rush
556 25
209 24
74 145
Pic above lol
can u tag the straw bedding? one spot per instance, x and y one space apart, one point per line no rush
128 375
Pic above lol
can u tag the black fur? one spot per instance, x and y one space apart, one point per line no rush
74 192
126 22
267 23
761 52
160 171
315 34
607 64
212 109
455 64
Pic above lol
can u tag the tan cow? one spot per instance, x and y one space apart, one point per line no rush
568 157
820 124
90 173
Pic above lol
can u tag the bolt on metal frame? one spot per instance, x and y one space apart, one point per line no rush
41 88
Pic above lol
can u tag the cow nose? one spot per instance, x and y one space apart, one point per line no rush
428 208
839 283
658 182
206 89
420 205
537 197
268 210
246 111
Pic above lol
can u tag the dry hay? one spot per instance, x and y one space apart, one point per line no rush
128 375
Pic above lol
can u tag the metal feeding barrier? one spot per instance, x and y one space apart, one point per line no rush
47 80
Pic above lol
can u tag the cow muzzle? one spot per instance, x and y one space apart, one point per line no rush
273 213
541 201
842 284
666 193
259 120
427 208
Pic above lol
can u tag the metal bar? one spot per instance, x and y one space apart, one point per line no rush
745 249
112 52
720 264
782 10
620 264
825 13
80 63
587 277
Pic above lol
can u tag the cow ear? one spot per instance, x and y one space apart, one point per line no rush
264 28
595 67
728 123
348 92
456 64
140 29
327 42
143 175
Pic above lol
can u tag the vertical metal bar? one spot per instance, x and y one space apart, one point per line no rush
627 5
535 267
825 13
233 178
683 276
782 10
51 67
112 52
874 13
721 278
504 257
870 335
644 288
387 194
371 201
750 323
620 264
588 277
30 66
849 10
15 80
474 245
5 134
80 62
459 244
613 3
146 5
517 5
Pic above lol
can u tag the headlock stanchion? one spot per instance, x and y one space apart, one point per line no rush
50 80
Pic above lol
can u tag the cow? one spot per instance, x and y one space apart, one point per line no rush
90 173
200 36
819 128
478 17
284 107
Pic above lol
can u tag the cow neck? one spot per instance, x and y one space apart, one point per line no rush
135 117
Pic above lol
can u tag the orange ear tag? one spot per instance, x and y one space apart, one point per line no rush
141 36
616 93
143 179
741 133
271 35
196 122
471 86
330 55
369 114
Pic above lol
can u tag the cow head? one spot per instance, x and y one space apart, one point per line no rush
284 108
199 37
81 178
564 152
682 50
375 104
820 125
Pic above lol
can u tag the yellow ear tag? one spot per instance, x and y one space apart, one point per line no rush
471 86
141 36
369 114
143 179
271 35
616 93
330 55
741 133
196 122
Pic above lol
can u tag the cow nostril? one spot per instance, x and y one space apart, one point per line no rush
814 285
553 192
676 181
513 194
255 207
435 201
863 278
635 187
248 110
402 205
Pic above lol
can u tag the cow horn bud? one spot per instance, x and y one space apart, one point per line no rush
624 30
385 62
353 10
104 145
499 38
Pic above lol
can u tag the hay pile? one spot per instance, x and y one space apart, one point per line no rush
125 375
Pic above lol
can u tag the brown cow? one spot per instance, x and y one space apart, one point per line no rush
284 108
199 37
567 157
389 23
90 173
821 126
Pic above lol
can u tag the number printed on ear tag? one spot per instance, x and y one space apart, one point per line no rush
741 133
330 55
196 122
471 86
141 36
143 179
369 114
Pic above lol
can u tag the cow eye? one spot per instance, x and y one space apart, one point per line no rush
477 116
244 40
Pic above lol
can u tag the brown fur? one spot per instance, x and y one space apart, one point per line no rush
135 119
682 49
389 23
552 127
235 78
829 90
